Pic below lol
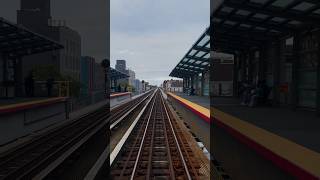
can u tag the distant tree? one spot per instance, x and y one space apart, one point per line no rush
45 72
124 86
75 86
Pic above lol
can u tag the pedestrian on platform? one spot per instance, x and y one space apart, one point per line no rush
49 85
29 85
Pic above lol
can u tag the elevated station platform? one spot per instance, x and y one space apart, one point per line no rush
286 138
26 115
275 142
118 98
195 112
18 100
298 126
19 104
203 101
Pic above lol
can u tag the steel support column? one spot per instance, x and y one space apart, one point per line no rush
262 63
115 85
295 71
243 66
246 66
19 78
185 84
211 74
318 76
250 60
202 85
235 75
192 81
5 73
276 58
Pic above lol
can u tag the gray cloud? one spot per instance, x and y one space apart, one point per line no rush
154 35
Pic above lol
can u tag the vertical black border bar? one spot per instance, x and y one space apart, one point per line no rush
211 88
108 82
104 172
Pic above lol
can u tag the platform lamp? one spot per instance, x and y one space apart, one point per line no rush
105 64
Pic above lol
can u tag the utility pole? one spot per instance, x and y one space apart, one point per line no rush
106 65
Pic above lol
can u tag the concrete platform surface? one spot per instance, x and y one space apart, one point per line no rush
288 138
200 100
301 127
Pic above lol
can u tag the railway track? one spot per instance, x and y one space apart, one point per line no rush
156 148
24 161
29 159
119 113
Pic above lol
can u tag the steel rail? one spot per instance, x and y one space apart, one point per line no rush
56 136
71 150
117 112
128 132
35 160
168 149
139 130
25 155
157 147
176 141
58 161
142 141
35 142
128 111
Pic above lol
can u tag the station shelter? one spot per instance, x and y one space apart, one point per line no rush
116 76
193 68
272 40
275 42
17 42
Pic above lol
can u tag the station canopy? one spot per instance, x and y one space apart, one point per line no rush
241 24
17 41
196 60
115 74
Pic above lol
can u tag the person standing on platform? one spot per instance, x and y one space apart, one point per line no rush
49 85
32 85
29 85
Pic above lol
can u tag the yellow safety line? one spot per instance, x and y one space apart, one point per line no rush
301 156
29 103
119 94
195 106
293 152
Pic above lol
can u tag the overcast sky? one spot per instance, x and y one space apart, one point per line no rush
153 36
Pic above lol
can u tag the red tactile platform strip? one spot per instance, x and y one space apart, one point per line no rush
29 105
119 94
